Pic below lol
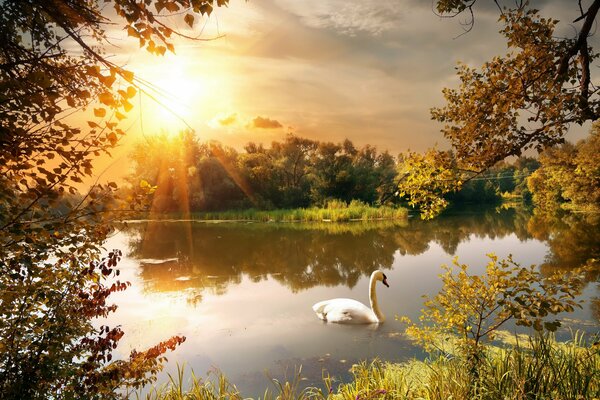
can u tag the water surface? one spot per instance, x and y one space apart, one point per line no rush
242 292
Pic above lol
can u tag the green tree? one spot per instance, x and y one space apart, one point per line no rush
293 157
52 279
331 166
262 175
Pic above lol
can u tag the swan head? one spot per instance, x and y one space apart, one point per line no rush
380 276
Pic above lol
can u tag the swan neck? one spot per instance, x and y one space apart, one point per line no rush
373 300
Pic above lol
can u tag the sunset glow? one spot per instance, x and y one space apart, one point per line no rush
316 199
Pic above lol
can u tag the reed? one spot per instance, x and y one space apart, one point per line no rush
334 211
542 368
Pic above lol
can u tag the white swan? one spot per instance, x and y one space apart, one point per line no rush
348 311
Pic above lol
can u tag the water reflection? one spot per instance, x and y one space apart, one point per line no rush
194 255
573 239
237 279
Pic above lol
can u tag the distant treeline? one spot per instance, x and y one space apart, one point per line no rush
504 180
295 172
298 172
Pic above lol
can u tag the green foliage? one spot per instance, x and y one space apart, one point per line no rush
335 211
472 308
212 388
539 369
503 180
293 173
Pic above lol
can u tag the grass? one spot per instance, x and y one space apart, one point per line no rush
334 211
541 369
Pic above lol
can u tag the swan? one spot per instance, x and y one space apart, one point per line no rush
348 311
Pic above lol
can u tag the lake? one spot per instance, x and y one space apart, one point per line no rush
242 293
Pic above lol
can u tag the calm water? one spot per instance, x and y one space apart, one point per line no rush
242 292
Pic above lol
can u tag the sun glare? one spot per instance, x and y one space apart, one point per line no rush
173 92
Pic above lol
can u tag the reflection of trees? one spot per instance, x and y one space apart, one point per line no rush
573 240
213 256
454 227
299 258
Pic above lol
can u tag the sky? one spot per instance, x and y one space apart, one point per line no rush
369 71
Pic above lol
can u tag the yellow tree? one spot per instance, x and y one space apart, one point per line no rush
472 308
524 99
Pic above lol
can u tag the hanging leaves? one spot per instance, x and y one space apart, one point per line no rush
52 281
189 19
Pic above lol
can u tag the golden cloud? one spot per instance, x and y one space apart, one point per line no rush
222 120
265 123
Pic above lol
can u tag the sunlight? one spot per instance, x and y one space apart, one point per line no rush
174 91
177 90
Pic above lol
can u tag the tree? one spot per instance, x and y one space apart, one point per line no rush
526 99
292 157
425 179
472 308
52 279
569 176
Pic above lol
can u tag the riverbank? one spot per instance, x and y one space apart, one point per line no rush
335 211
540 368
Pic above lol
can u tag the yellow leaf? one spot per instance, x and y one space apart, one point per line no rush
100 112
131 91
127 105
127 75
106 98
132 32
172 6
107 80
112 138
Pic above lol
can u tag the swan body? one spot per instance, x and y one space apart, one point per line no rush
349 311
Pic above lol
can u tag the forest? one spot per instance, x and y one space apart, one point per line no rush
298 173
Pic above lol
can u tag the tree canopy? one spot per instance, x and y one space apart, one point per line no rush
525 99
293 172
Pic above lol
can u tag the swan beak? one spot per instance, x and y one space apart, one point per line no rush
385 282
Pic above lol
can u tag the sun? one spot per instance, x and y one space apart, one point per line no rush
176 91
183 91
171 92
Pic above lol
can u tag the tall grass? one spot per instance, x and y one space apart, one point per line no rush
541 369
335 211
218 388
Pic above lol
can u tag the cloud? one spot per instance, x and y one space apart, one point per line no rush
229 120
265 123
223 120
348 17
